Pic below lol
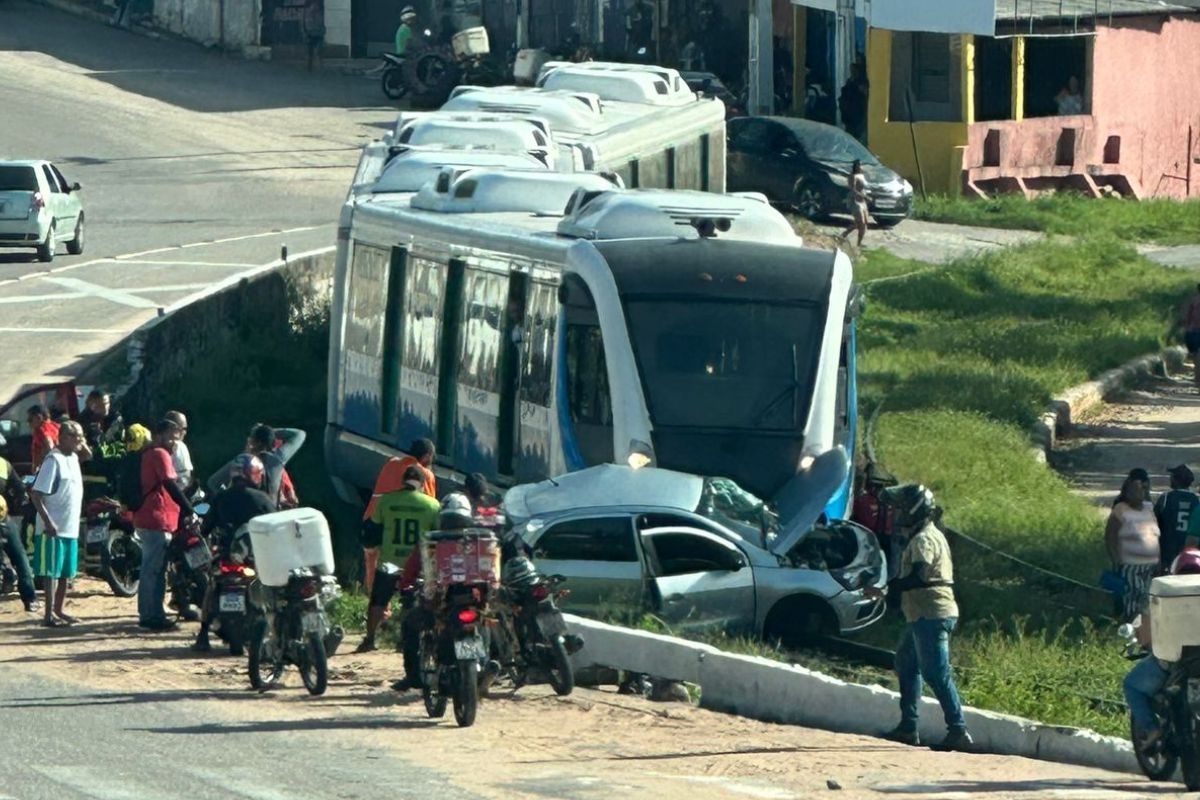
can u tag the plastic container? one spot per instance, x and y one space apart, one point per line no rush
528 65
1174 609
458 558
471 42
286 540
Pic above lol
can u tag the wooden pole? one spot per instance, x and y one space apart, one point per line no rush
912 130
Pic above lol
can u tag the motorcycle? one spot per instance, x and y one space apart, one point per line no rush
189 559
533 644
229 608
393 76
293 629
111 547
460 572
433 70
1177 709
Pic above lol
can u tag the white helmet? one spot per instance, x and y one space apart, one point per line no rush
408 14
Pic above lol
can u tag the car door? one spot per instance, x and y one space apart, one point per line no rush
601 560
72 207
701 581
747 155
56 201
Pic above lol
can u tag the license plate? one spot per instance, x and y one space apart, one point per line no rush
313 622
199 556
551 625
233 602
468 648
97 534
885 204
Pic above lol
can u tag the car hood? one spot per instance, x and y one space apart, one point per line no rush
876 174
802 500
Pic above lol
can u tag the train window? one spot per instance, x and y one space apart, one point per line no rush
364 320
539 344
392 342
422 305
483 315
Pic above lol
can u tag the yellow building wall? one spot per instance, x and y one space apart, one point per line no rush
940 144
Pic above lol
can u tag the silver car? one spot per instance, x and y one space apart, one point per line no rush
39 209
700 553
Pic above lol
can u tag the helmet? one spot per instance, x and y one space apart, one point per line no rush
1187 562
3 507
408 14
518 571
456 512
912 501
249 468
137 436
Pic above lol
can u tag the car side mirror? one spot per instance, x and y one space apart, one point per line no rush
737 563
75 187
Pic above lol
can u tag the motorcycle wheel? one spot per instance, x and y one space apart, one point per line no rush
466 693
314 669
264 670
393 83
431 693
1159 762
562 674
430 76
1189 746
121 564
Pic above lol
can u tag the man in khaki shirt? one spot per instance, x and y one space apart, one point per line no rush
925 583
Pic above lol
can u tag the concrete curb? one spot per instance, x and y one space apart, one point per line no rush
772 691
1058 417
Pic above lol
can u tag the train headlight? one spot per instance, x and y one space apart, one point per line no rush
640 454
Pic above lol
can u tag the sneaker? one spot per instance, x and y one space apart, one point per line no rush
189 614
903 736
33 607
201 646
404 685
957 740
367 646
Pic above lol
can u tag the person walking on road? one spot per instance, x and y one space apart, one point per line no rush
857 201
926 588
163 505
1190 314
1131 537
57 495
314 30
1174 510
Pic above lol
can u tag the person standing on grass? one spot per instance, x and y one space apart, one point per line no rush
57 496
1190 316
857 199
156 519
1131 538
1174 510
926 588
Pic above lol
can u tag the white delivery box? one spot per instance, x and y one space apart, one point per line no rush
528 65
288 540
1174 615
471 42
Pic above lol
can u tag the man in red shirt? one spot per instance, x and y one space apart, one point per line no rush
872 513
45 435
391 479
163 503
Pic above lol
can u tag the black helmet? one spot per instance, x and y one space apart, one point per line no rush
912 501
518 571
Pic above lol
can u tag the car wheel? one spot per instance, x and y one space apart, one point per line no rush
45 250
800 621
808 201
888 222
75 246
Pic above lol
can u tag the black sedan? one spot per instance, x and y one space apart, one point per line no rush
806 165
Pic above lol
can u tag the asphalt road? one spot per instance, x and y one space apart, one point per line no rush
176 147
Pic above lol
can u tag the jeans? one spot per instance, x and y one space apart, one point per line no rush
15 550
924 653
1145 680
152 587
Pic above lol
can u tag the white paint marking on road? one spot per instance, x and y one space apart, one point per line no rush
178 287
42 298
104 293
240 265
240 782
254 236
95 782
732 786
63 330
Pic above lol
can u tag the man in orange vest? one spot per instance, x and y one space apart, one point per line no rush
391 479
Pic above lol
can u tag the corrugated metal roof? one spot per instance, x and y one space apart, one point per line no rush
1088 9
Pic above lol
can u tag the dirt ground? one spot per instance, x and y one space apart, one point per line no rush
600 743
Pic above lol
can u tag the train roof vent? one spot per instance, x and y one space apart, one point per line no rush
566 112
656 214
481 191
647 85
450 128
413 167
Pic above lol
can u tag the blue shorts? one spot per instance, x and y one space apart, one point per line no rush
55 556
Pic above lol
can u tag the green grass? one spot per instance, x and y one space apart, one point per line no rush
1165 222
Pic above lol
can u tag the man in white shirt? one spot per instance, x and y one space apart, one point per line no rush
181 455
57 495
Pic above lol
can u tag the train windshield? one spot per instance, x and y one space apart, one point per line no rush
712 363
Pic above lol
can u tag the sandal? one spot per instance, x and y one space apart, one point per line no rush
51 622
67 618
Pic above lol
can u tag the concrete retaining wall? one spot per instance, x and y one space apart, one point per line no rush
774 692
231 24
189 338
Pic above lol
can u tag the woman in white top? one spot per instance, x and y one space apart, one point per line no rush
1131 538
857 202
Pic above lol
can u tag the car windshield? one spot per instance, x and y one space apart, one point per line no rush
837 147
723 501
751 362
17 179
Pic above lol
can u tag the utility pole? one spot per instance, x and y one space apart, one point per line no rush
761 67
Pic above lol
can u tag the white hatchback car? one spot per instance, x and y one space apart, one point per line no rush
38 208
